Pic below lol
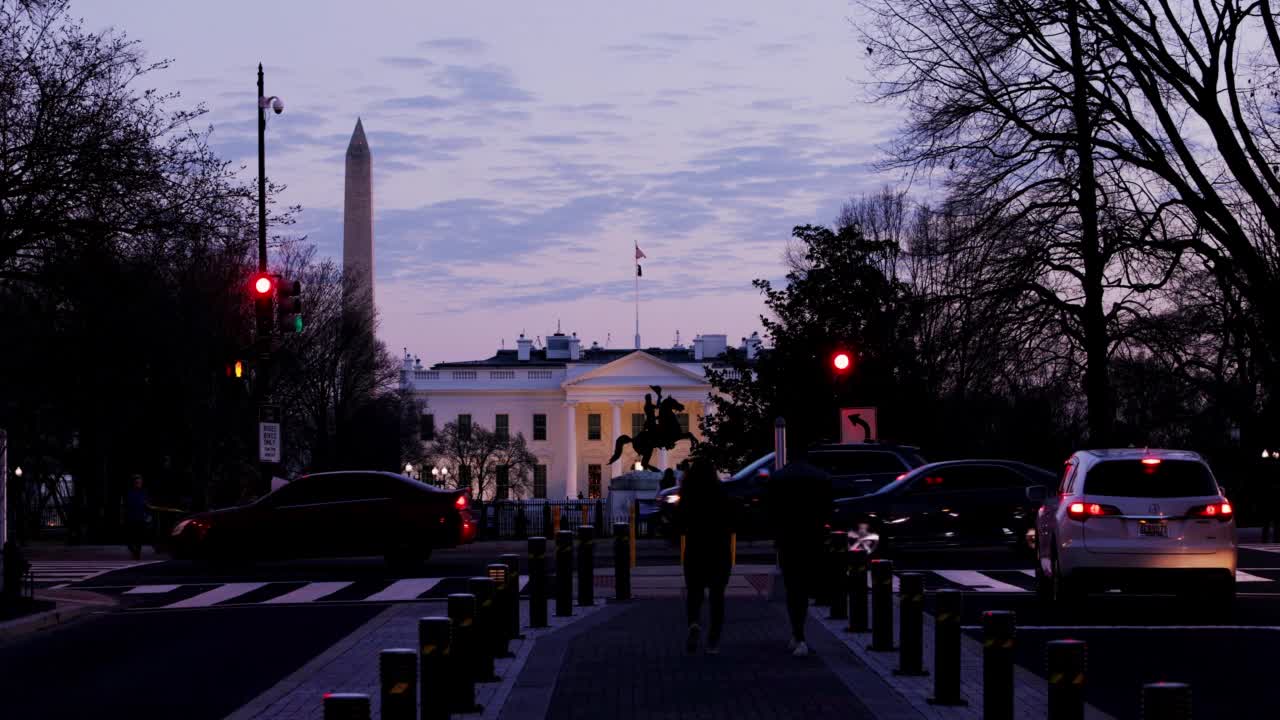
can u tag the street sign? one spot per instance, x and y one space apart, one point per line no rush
857 425
269 434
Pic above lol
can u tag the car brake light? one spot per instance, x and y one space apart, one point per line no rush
1221 511
461 502
900 476
1081 511
1150 461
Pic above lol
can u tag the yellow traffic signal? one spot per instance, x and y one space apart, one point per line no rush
239 369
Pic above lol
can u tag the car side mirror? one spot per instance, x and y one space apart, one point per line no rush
1037 493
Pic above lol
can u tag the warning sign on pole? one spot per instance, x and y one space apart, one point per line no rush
857 425
269 434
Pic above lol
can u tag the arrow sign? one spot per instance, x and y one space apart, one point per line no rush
857 425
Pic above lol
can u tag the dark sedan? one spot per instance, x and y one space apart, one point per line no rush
960 502
333 514
855 469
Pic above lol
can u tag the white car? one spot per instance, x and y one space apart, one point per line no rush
1136 519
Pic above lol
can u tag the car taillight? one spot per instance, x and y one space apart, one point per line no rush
461 502
1220 511
1081 511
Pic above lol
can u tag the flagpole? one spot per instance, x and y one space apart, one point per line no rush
637 304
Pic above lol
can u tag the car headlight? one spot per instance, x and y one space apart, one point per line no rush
671 499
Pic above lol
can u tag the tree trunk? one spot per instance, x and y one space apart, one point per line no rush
1097 385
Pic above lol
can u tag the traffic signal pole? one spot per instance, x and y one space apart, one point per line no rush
262 383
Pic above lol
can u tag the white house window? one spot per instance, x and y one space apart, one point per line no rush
539 427
593 426
503 482
464 427
427 427
637 423
540 481
594 481
502 426
683 420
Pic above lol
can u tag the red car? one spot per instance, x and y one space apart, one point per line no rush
348 513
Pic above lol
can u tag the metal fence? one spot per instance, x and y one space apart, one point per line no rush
518 519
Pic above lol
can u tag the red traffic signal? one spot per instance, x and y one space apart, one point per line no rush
841 361
263 285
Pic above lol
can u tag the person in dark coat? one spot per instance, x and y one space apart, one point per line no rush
799 500
705 517
137 517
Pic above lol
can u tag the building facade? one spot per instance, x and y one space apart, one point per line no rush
570 403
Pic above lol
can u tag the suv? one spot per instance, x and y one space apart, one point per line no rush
855 469
1126 518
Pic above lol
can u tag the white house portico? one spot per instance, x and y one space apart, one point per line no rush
571 404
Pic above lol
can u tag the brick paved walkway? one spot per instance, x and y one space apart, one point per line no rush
634 667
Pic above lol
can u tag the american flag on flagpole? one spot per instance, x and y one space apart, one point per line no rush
639 254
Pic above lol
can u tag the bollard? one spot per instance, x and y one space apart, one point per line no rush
1166 701
946 648
599 524
398 675
490 642
546 521
537 582
839 570
911 625
346 706
829 589
621 562
439 676
586 566
997 664
858 591
564 573
881 605
1066 660
500 631
463 648
512 561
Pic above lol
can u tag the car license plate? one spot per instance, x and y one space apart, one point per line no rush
1154 529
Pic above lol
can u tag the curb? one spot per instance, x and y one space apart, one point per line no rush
61 614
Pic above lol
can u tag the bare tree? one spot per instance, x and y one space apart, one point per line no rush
480 459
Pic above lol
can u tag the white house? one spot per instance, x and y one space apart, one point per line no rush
570 402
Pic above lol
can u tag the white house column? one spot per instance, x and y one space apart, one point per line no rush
616 419
571 448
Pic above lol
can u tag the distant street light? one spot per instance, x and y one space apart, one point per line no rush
17 472
639 465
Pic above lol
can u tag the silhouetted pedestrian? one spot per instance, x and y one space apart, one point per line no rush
799 504
705 516
137 517
668 479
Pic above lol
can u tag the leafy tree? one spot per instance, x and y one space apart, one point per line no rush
475 456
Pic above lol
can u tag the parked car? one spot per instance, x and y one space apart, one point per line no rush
333 514
948 504
855 469
1136 519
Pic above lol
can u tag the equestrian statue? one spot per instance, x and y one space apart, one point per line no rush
661 430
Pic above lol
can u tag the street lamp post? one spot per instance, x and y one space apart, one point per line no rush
262 386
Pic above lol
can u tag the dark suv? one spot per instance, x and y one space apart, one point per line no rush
855 469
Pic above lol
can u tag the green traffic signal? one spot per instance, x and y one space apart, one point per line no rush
297 323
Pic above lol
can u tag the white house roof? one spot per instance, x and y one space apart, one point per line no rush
639 369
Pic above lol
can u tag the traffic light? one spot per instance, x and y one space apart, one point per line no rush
238 369
289 306
841 361
261 288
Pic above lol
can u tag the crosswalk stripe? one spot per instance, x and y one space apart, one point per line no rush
308 593
151 589
1242 576
975 580
217 595
1271 548
404 589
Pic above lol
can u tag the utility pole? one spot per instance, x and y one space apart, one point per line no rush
268 421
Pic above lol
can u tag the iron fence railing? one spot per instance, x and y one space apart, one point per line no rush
518 519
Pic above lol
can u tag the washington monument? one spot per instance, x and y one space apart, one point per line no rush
357 214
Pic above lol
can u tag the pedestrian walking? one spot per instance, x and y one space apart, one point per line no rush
137 516
705 516
799 504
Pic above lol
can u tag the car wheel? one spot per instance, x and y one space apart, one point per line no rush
1065 590
1044 585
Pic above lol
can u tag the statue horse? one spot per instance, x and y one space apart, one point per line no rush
665 435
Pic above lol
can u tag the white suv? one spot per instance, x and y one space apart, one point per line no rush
1134 518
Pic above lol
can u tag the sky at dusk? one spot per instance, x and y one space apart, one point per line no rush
520 149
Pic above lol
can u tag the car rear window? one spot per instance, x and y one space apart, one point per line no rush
854 463
1134 478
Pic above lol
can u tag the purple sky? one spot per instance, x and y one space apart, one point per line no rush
521 148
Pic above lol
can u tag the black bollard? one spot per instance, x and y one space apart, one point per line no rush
564 573
1066 661
500 631
882 605
621 562
489 640
858 591
839 570
439 673
537 582
911 625
998 628
346 706
398 676
463 647
1166 701
586 566
946 648
512 590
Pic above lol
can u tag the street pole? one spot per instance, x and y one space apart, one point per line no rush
262 384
